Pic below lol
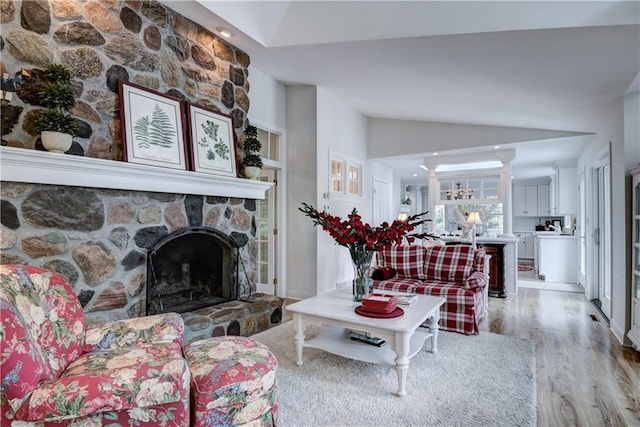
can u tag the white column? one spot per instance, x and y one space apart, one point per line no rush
505 196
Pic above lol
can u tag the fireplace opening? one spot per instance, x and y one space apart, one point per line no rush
192 268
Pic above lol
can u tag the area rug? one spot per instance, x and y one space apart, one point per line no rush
478 380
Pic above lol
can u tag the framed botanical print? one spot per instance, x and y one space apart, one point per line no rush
212 141
152 127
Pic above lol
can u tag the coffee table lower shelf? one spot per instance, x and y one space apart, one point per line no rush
336 340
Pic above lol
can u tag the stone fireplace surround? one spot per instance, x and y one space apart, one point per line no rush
94 221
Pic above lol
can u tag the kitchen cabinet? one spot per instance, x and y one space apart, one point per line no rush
565 188
544 208
557 258
496 269
525 244
634 332
525 200
531 200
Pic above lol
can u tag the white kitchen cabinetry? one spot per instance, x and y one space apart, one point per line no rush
565 188
634 332
525 200
525 244
557 258
531 200
543 200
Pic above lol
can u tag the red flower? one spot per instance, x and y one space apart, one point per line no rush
354 234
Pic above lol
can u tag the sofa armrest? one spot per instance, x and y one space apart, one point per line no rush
476 281
167 327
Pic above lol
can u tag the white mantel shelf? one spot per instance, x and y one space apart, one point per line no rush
42 167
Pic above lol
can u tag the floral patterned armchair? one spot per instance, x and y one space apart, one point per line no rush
57 371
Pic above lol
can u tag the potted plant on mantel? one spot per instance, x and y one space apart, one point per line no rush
252 162
56 126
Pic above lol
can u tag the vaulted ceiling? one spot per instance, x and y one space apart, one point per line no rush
542 65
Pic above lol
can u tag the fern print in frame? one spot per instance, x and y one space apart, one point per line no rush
212 141
152 127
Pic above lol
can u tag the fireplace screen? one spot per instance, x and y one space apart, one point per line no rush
192 268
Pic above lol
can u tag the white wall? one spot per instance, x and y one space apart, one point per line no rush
268 101
612 132
632 129
343 130
301 113
391 137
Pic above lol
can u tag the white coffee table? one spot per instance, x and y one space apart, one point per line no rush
403 336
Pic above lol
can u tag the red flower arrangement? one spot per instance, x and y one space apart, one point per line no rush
363 240
354 234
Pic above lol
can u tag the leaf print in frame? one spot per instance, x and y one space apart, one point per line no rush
152 127
213 142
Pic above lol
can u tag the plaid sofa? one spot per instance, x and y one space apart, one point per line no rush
454 272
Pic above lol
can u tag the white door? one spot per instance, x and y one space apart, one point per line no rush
580 232
266 233
602 236
380 201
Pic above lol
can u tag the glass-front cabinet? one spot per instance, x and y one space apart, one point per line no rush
634 332
463 194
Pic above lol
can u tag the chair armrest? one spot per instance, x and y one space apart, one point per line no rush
476 280
167 327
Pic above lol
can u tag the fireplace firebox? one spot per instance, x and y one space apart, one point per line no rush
192 268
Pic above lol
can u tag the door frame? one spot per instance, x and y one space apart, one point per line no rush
601 233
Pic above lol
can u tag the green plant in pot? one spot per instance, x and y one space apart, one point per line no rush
252 162
56 126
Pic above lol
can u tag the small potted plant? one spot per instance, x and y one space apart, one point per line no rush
56 126
252 162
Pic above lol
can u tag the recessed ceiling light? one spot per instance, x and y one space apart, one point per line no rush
436 153
495 147
415 174
224 32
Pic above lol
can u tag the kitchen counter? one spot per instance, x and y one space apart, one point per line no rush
479 240
542 235
557 257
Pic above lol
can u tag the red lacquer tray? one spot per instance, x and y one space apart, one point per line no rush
395 313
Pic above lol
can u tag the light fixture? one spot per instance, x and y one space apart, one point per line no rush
436 153
415 174
495 147
403 216
224 32
474 219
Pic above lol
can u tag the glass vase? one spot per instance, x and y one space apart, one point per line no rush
362 283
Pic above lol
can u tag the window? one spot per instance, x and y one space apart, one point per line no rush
491 214
270 144
345 176
354 182
337 173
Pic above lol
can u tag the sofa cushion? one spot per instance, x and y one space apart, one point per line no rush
451 263
115 380
406 260
23 367
49 310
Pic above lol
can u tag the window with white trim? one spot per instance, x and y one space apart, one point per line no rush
345 176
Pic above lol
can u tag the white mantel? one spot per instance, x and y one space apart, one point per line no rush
41 167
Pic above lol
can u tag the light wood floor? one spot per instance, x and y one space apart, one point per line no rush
584 377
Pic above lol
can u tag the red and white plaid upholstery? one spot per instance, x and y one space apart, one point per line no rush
406 260
454 273
448 263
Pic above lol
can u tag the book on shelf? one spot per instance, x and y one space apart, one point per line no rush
367 339
406 299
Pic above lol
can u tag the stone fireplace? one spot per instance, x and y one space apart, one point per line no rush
192 268
101 239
